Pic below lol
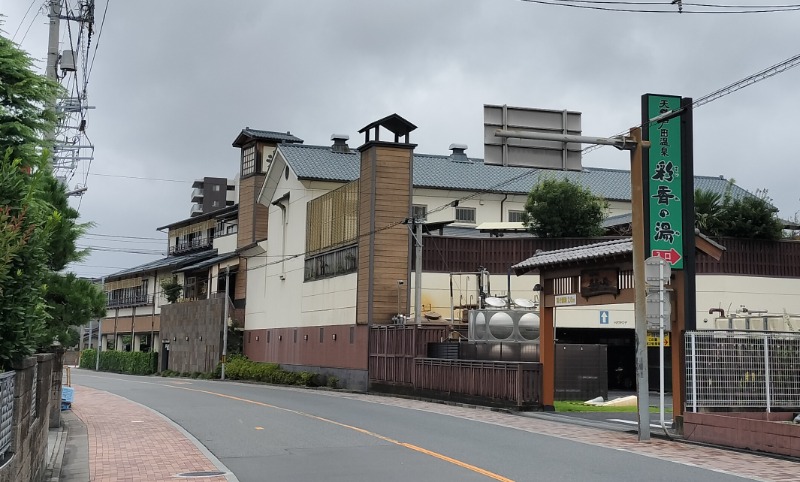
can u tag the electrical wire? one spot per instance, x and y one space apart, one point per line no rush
669 7
139 177
23 20
126 237
97 41
764 74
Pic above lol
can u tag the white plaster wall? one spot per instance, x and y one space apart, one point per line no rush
713 291
436 290
330 301
487 206
225 244
275 288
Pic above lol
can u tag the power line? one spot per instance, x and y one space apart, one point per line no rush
772 71
97 42
126 237
138 177
23 20
664 7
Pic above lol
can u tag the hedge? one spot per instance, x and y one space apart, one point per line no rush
241 368
132 362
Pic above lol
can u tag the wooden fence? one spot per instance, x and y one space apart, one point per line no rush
747 257
398 358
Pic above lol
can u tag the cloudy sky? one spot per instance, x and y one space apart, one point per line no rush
175 81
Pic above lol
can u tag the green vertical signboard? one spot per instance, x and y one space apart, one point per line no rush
664 203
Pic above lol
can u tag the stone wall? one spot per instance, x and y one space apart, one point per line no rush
33 403
193 332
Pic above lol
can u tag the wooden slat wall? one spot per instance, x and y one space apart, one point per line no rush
747 257
389 199
245 235
332 219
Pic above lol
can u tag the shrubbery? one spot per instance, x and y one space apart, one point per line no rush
132 362
241 368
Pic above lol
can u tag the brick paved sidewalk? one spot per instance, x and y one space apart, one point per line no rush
128 442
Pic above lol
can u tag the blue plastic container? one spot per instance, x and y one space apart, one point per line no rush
67 393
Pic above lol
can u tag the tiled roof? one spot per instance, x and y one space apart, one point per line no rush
168 262
580 253
207 262
442 172
271 135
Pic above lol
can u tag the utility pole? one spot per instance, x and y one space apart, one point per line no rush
225 324
418 272
634 143
99 328
52 40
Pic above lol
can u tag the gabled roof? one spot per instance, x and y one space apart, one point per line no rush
249 134
208 262
164 263
606 249
444 172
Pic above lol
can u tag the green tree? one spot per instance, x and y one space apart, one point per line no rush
707 208
38 229
25 227
172 289
25 105
750 216
560 209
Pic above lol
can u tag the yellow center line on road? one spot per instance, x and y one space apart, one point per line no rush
415 448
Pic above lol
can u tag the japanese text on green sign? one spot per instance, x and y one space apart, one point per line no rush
664 173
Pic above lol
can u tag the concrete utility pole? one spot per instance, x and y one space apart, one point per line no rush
52 40
632 142
225 324
639 286
418 272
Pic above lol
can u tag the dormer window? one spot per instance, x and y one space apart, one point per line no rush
248 160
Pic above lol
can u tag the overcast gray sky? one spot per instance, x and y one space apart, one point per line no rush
175 81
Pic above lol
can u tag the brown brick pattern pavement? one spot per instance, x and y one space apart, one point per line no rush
130 443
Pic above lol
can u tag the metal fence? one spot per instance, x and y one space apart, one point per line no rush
6 410
742 370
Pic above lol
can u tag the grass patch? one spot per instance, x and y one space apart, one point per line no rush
582 407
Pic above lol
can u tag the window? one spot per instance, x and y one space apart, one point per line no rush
515 216
215 204
248 160
215 188
419 211
465 215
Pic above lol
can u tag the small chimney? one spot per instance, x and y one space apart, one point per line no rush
340 143
458 153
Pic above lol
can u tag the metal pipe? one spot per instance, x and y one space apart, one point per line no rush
692 336
452 309
766 372
625 143
225 323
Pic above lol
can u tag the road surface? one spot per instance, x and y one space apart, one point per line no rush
268 433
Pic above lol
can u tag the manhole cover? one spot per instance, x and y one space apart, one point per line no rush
204 473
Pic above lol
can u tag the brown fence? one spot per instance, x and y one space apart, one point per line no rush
398 358
516 382
392 350
748 257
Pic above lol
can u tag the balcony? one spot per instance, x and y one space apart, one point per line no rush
197 244
197 195
130 301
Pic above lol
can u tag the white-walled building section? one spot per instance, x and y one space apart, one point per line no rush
488 207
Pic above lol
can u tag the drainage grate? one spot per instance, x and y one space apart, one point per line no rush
204 473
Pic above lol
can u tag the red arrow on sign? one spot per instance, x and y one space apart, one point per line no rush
670 256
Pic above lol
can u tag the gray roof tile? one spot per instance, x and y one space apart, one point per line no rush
168 262
271 135
580 253
442 172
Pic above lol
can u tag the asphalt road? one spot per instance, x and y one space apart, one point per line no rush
265 433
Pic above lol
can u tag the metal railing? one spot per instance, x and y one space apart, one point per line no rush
194 244
6 410
726 369
130 301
